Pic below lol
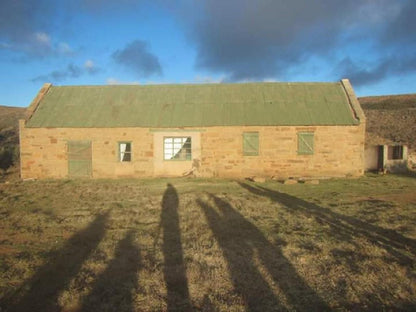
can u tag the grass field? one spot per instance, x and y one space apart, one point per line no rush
208 245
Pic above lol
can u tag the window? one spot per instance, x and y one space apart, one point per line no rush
124 149
177 148
305 143
250 143
395 152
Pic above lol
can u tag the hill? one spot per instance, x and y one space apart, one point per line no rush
9 116
388 102
390 119
9 139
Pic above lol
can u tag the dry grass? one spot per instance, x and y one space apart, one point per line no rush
208 245
390 119
401 101
9 140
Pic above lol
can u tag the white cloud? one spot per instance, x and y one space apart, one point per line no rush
4 45
271 80
112 81
89 64
64 48
115 81
40 44
90 67
378 11
42 38
208 79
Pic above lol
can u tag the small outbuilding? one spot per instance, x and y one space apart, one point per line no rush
211 130
390 133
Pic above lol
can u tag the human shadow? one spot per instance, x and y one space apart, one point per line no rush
344 227
242 242
114 288
174 270
41 292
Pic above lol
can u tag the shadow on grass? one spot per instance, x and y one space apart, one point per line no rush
174 270
407 174
113 290
344 227
242 242
41 292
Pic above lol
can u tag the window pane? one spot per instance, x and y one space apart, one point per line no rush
124 151
398 152
127 157
178 148
395 152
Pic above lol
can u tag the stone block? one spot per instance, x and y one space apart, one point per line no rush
290 181
315 181
259 179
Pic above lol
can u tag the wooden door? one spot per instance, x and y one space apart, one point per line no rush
79 159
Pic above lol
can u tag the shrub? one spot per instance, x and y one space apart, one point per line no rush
7 157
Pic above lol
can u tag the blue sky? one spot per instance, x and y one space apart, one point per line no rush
84 42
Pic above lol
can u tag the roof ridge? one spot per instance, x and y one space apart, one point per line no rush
199 84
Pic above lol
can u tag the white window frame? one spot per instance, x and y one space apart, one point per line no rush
173 145
122 151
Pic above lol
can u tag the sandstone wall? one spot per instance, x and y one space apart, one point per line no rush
412 158
43 151
338 151
217 152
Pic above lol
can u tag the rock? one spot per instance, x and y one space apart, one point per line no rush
259 179
290 181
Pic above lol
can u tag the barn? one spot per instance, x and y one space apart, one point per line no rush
235 130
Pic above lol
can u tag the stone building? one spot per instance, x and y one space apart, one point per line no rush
209 130
390 143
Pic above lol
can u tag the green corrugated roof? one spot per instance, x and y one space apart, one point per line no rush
197 105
